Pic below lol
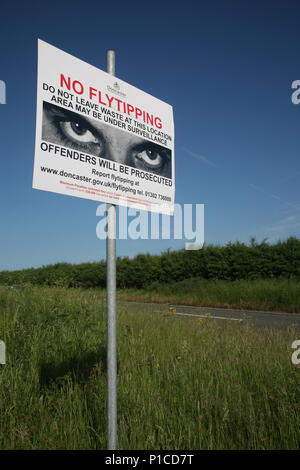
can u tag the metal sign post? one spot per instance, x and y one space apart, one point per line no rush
111 307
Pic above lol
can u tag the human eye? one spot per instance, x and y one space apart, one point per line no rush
152 157
77 132
69 129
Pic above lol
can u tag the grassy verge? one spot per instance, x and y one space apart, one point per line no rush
184 383
265 294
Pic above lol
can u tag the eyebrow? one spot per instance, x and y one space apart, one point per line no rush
64 112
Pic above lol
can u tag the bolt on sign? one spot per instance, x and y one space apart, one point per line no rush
99 138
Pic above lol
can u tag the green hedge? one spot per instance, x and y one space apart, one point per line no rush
231 262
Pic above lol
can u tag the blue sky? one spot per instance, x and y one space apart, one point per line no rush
225 67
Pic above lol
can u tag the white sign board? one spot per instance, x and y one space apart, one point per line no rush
100 138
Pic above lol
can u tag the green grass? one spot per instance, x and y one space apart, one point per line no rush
264 294
183 383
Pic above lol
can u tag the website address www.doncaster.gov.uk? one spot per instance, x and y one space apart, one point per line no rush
86 179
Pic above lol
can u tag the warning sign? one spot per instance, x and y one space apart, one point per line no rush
100 138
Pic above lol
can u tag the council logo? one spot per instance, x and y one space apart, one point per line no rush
116 89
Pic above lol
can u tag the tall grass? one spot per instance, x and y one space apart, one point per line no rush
264 294
183 383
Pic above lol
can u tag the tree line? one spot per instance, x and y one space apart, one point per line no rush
230 262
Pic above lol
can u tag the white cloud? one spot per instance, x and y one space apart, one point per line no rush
274 196
200 157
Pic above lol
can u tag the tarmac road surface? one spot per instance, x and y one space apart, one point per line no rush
258 318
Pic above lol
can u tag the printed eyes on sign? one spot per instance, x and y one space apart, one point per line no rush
69 129
78 132
147 155
151 157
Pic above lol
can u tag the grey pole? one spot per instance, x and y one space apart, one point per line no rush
111 307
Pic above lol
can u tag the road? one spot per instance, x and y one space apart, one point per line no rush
257 318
